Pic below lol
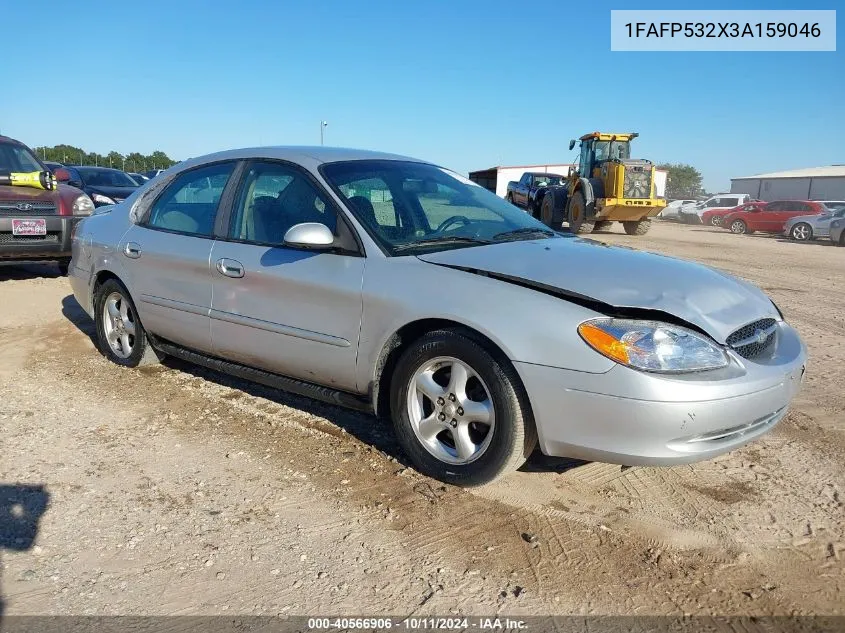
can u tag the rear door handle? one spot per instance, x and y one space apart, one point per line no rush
230 267
132 250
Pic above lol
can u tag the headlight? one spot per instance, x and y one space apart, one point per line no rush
101 199
652 346
82 205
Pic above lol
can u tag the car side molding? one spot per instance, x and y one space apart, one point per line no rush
266 378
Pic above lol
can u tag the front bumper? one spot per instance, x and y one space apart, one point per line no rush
55 245
635 418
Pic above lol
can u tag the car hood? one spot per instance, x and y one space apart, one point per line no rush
619 277
812 219
27 194
112 192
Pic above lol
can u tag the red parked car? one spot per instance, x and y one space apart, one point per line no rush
34 223
770 217
716 216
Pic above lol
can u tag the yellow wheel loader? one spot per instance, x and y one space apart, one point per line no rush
608 186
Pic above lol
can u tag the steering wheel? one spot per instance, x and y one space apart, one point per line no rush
452 220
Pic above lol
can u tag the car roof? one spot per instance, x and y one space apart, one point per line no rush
305 155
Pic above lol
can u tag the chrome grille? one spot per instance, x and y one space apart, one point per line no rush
24 207
753 339
52 237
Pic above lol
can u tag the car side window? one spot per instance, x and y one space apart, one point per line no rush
774 206
189 203
273 198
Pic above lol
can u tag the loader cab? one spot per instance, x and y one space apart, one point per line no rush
597 148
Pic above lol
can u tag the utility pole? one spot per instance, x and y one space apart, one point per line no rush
323 125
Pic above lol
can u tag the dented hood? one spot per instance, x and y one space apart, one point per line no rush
619 277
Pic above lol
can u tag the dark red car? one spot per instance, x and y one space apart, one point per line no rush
36 224
770 217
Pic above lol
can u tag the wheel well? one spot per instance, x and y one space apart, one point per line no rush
399 342
102 277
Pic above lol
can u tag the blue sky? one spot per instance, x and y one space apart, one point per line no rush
465 83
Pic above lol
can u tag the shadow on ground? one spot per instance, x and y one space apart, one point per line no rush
376 432
18 271
21 508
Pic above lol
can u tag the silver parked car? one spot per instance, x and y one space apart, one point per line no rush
392 285
808 227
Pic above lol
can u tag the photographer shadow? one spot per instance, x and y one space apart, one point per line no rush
21 508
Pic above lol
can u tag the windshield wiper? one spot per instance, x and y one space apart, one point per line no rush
439 240
523 232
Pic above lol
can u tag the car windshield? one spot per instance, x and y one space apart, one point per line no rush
16 158
413 207
832 207
105 177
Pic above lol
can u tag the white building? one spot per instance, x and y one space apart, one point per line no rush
496 179
814 183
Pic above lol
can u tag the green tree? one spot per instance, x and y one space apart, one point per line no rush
682 181
135 161
115 159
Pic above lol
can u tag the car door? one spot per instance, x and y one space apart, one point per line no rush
521 194
766 217
287 310
167 255
788 209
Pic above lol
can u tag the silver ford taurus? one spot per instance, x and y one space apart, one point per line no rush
391 285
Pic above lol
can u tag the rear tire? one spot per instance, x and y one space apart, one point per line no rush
580 219
422 389
639 227
841 241
547 211
738 227
120 335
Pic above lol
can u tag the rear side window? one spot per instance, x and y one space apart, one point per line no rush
729 202
189 204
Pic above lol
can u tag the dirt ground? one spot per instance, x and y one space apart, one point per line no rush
175 490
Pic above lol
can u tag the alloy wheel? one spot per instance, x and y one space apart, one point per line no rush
451 410
801 232
119 325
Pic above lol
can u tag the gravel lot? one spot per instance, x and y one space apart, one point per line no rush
175 490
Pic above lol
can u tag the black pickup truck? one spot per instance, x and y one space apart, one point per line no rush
529 191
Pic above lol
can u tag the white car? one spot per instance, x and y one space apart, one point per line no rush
672 210
691 214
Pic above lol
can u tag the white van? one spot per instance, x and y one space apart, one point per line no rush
691 214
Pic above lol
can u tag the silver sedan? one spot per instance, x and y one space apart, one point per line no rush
808 227
394 286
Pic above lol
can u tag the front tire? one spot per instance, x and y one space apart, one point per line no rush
801 232
120 335
460 413
738 227
577 214
640 227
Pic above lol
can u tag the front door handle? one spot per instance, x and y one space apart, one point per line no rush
132 250
230 268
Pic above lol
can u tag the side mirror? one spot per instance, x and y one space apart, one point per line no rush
62 174
571 144
309 235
